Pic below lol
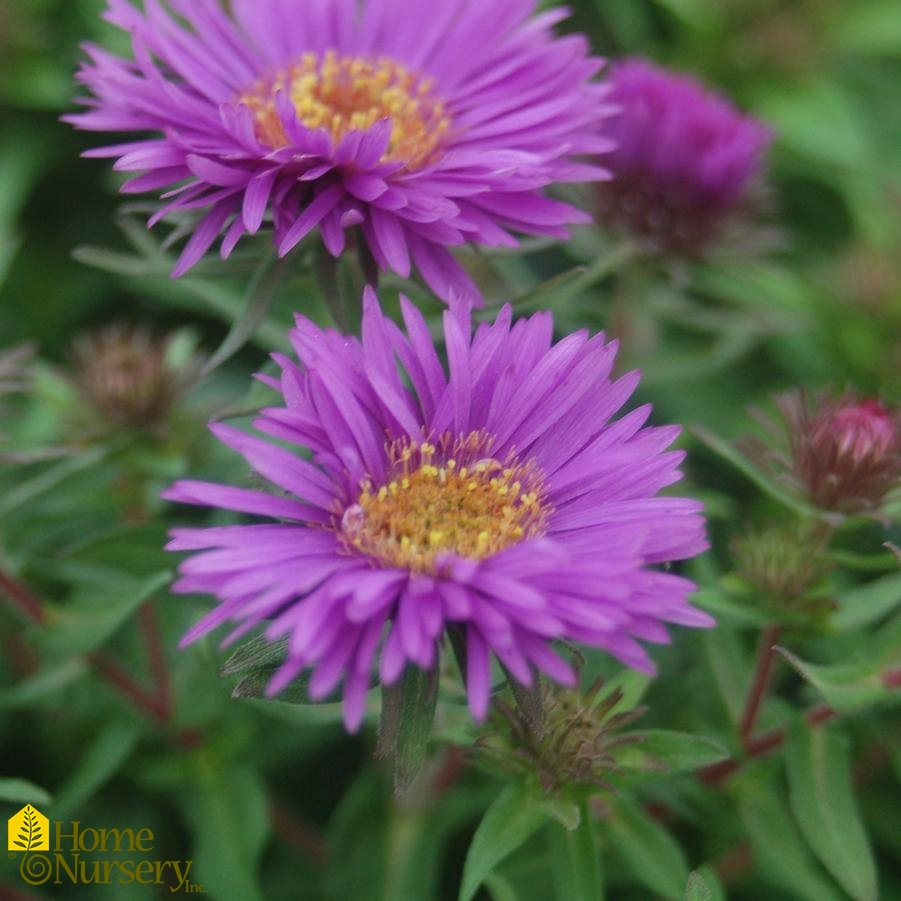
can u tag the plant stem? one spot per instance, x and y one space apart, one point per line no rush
148 622
25 601
298 834
125 684
763 744
763 671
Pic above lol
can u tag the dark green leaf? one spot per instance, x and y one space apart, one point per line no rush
228 811
88 620
846 686
660 750
782 858
865 604
650 853
822 801
408 712
97 765
510 820
575 858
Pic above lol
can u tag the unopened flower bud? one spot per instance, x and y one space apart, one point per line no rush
845 452
126 376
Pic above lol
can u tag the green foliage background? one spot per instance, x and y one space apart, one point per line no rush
272 799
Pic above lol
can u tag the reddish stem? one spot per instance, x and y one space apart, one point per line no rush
148 622
298 834
27 603
125 684
763 672
762 745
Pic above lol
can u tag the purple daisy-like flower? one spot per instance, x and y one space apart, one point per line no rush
426 125
685 161
496 498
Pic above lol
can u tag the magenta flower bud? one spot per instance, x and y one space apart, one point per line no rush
685 162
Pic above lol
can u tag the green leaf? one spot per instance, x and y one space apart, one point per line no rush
103 758
704 885
663 751
575 858
865 604
48 479
846 686
782 858
228 813
258 653
650 853
88 620
822 801
729 667
752 472
21 791
44 684
508 822
408 712
260 294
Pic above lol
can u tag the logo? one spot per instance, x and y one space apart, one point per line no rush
85 856
29 830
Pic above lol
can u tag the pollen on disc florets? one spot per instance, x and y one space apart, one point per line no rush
447 496
350 93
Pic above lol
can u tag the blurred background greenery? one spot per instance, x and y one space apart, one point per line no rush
273 800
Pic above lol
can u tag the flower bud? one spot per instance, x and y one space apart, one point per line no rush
845 452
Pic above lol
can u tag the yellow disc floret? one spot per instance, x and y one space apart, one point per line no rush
347 93
449 496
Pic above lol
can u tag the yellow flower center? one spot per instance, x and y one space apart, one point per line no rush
448 497
348 93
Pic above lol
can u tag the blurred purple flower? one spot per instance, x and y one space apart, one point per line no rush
496 498
685 162
427 125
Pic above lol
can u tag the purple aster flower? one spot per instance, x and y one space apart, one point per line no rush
685 162
427 125
496 497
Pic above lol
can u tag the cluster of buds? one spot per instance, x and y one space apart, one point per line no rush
128 378
572 744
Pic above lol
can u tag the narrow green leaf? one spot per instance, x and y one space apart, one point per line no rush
227 810
575 859
704 885
97 765
846 686
865 604
408 712
48 479
259 652
21 791
782 858
508 822
729 666
89 620
822 801
754 474
501 888
660 750
649 852
44 684
260 293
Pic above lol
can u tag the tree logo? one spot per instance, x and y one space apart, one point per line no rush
28 830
